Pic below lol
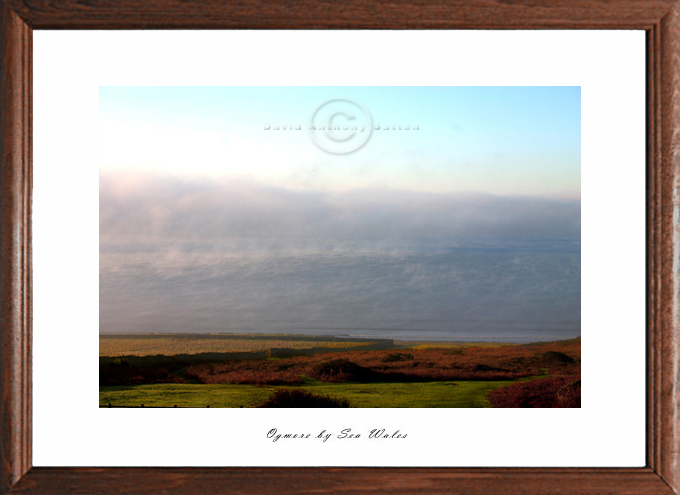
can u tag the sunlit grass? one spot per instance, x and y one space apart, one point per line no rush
428 395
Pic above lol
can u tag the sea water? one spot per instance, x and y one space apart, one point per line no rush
509 290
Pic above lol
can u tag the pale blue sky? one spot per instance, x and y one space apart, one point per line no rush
498 140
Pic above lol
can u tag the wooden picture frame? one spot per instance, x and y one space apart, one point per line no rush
661 21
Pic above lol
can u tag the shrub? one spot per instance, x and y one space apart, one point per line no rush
132 375
545 392
555 357
397 356
485 367
492 363
243 372
340 370
569 395
295 397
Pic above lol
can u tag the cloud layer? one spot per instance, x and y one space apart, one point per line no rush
147 206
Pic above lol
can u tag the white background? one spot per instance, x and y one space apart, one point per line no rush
70 430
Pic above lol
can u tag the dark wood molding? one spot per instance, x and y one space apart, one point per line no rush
661 21
348 14
346 481
15 245
663 433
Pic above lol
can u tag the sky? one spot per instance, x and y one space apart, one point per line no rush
502 141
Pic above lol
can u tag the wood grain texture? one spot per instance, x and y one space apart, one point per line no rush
655 310
344 481
668 435
659 18
15 272
348 14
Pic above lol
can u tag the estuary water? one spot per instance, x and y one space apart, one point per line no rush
509 290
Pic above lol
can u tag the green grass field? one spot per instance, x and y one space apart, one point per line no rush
428 394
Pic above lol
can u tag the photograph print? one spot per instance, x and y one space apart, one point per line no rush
354 247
